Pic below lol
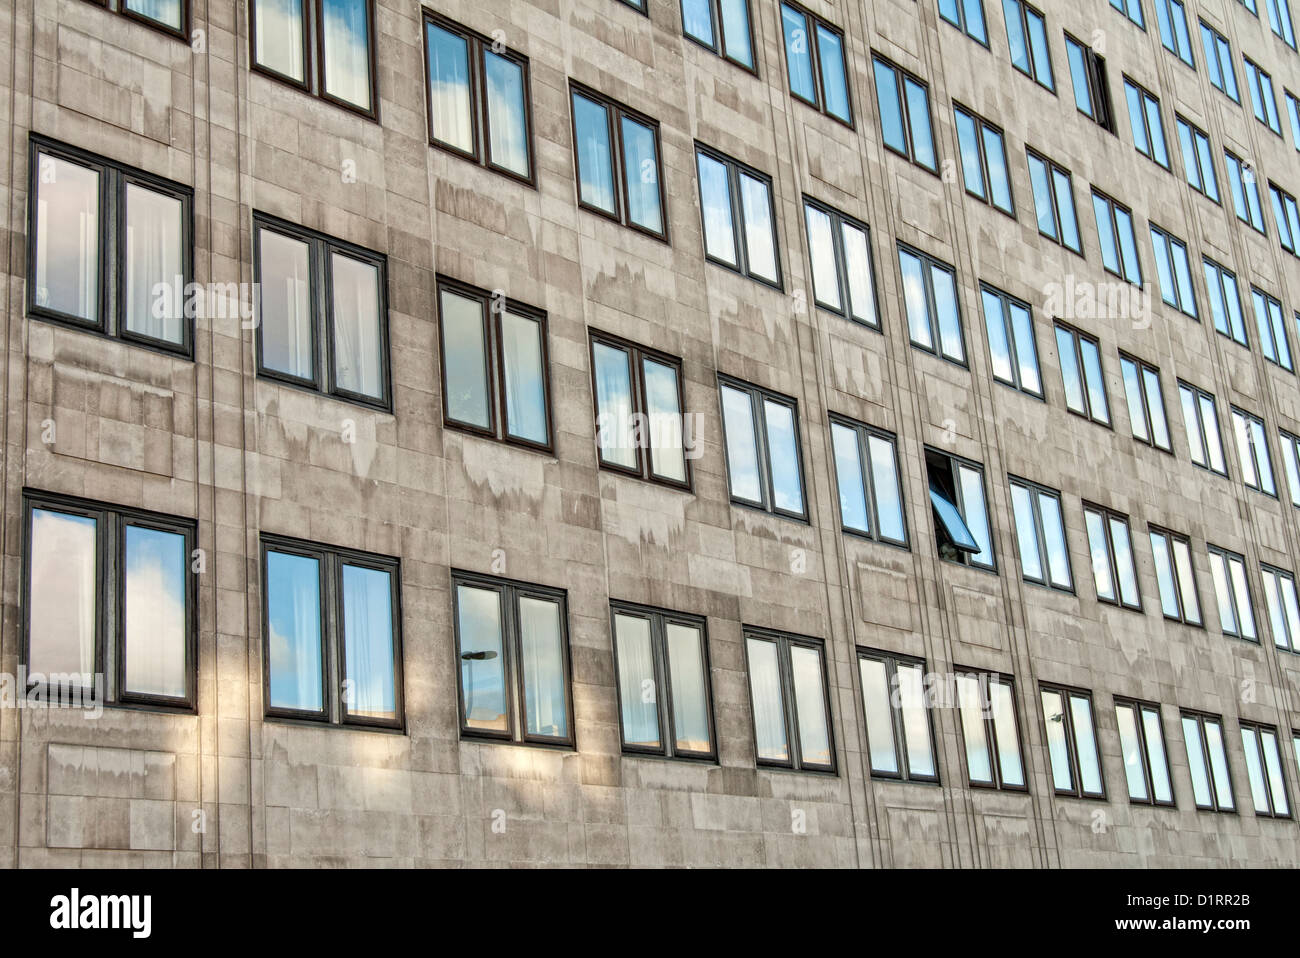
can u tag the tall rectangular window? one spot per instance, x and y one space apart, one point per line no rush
1146 123
1225 301
721 26
739 216
1114 571
1264 769
900 734
984 160
960 509
843 271
1293 116
1173 267
1027 38
1131 9
478 98
1272 328
1171 17
866 473
512 643
1054 202
1175 576
1287 218
323 47
1201 423
761 439
1279 20
1040 535
1245 191
110 249
968 17
1089 83
1232 593
1146 402
664 691
904 104
1207 761
616 155
108 602
1262 98
1291 464
814 59
930 298
790 701
1081 374
495 372
1283 610
640 420
1072 742
1198 163
1119 253
169 16
1252 452
1012 343
332 634
1218 61
1142 742
990 730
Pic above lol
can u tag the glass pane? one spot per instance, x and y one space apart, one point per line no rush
689 687
541 651
1044 205
1089 769
166 12
449 88
1223 594
979 764
999 180
810 705
507 113
1004 730
879 716
1133 393
1065 209
848 474
1026 535
482 659
667 455
945 307
742 451
67 238
857 262
637 693
1186 582
916 721
918 121
918 313
1255 771
641 167
999 344
1244 612
1273 766
1058 559
288 343
884 480
1058 746
821 249
735 30
345 41
1026 355
154 262
278 26
157 612
358 339
1213 442
835 87
1156 754
1218 764
798 53
1156 407
715 200
760 231
1165 575
972 167
524 374
1196 763
293 618
1128 589
1106 233
369 684
1100 551
890 106
63 604
614 405
593 151
1096 384
973 511
1071 376
1130 744
765 694
783 456
697 21
464 364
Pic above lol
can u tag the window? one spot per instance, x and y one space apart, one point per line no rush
1272 328
323 47
1198 165
1173 267
1118 244
721 26
1261 95
1207 761
1245 191
1232 593
1040 534
1252 452
636 5
478 98
323 313
1146 402
1171 17
616 153
1072 742
640 424
791 704
1054 202
1113 570
1012 344
904 104
664 698
1250 5
1085 386
495 379
843 274
984 160
109 602
866 471
1225 301
990 732
1142 741
814 59
512 643
1291 463
1283 611
1279 19
1131 9
738 215
900 735
967 16
761 437
1027 38
107 244
1264 769
1293 114
169 16
1201 422
930 297
1088 80
1218 61
961 519
1175 577
1144 119
332 628
1287 218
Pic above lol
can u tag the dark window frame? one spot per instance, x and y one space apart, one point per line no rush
720 35
1228 557
789 702
1174 242
119 7
1171 537
954 463
1259 730
1241 172
929 263
1053 168
1166 24
1201 718
1208 187
981 126
1141 708
1251 419
864 431
1067 693
990 732
901 76
1025 9
1095 76
1113 209
1199 395
1143 367
1278 574
961 22
838 221
1220 42
1035 489
1078 337
1271 343
757 396
1007 300
1260 83
739 228
1107 515
891 662
1285 203
813 22
1145 97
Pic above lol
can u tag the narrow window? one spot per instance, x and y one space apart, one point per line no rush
323 47
866 472
990 730
721 26
1146 403
1287 218
640 426
1173 267
761 438
1027 38
1225 301
1198 164
1264 769
930 297
1283 610
814 59
1142 742
1218 61
984 160
1293 115
961 519
1171 17
1144 120
1272 328
1262 98
1088 80
1175 577
1012 343
843 272
1232 593
1291 464
1114 572
1245 191
968 17
1279 20
1072 742
1131 9
1252 452
1207 761
790 701
1040 534
616 152
1118 244
904 104
1054 202
739 217
900 734
1081 374
1201 423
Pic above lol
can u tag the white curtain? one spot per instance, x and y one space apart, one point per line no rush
368 642
67 238
153 255
765 693
525 395
63 608
279 29
287 344
542 652
357 356
636 681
